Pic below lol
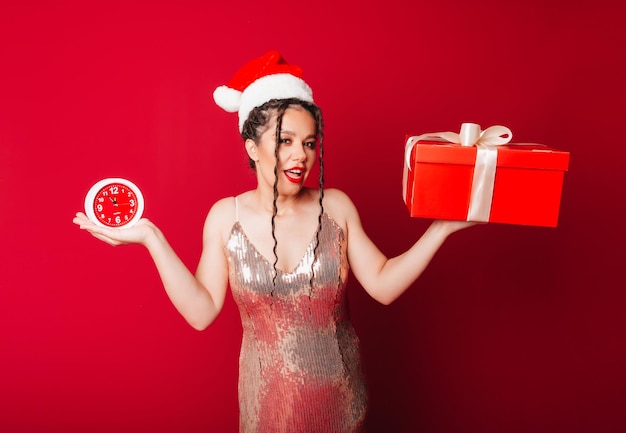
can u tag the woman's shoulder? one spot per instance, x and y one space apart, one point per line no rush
223 207
227 210
339 206
221 216
334 197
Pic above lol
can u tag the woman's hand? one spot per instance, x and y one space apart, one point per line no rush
138 234
451 226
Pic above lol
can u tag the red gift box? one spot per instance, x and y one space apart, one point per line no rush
526 190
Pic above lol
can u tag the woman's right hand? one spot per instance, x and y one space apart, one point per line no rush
138 234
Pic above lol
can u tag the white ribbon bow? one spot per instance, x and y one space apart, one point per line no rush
484 168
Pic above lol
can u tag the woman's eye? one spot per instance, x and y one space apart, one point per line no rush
284 141
311 144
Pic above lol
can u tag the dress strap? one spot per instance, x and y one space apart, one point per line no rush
236 210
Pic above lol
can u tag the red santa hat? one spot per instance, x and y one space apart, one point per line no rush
264 78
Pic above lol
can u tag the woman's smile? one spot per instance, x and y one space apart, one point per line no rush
295 174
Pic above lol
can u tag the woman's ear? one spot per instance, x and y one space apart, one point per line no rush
251 149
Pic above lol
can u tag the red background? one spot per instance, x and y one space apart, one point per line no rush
511 328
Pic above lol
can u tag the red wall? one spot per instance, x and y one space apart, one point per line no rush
511 329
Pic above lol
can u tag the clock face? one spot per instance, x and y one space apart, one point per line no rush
114 202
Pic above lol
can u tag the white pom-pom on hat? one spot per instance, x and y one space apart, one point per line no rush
260 80
228 99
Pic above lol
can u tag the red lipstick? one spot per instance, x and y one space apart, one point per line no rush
294 174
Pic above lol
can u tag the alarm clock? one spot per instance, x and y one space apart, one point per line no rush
114 202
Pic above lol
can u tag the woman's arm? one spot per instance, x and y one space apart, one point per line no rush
199 298
385 279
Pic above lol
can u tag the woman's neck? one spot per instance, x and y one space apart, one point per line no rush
286 204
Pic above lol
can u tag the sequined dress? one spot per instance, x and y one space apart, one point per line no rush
299 367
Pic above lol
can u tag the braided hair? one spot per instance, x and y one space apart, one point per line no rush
256 124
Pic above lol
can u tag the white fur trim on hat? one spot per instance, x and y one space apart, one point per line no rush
276 86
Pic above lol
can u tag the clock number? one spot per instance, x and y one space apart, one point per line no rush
114 190
132 203
118 219
99 207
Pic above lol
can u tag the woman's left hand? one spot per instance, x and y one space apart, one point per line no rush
452 226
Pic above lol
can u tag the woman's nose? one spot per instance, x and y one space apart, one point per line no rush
298 152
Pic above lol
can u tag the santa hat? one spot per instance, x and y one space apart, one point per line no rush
264 78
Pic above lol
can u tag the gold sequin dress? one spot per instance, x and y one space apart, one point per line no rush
299 367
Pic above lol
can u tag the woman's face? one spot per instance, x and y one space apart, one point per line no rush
296 152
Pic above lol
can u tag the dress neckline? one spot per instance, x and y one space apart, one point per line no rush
310 245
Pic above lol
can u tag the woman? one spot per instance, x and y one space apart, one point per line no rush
285 250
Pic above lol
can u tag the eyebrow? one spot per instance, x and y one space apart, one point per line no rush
286 131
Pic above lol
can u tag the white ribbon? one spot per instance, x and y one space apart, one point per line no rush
485 165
